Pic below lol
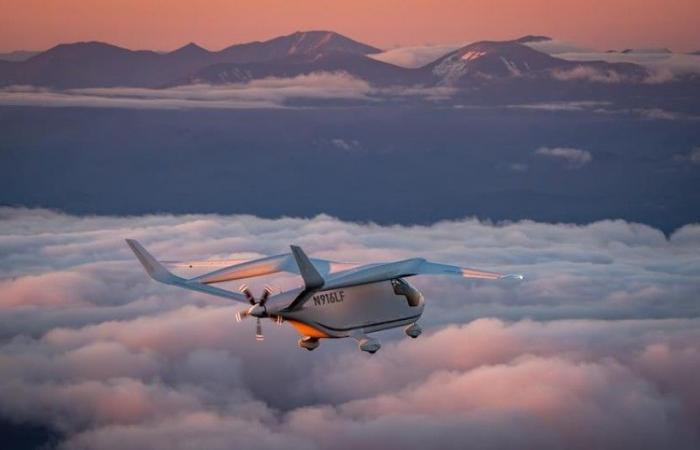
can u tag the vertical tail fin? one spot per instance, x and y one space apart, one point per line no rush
312 279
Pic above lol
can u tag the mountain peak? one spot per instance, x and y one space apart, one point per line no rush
489 59
313 42
310 43
190 49
81 50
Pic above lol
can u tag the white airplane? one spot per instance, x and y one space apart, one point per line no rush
337 300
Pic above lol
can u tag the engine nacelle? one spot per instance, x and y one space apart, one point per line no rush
309 343
369 345
413 330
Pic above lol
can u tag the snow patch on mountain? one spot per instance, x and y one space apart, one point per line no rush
468 56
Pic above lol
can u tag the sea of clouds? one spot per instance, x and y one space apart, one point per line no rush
598 348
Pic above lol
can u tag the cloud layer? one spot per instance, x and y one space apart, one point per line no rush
600 346
263 93
255 94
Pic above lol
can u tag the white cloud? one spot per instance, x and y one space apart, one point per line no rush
574 157
345 144
113 359
581 105
556 47
263 93
255 94
664 65
586 73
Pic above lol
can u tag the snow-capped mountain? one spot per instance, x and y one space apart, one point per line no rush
489 60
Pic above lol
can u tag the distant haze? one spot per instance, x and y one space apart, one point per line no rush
40 24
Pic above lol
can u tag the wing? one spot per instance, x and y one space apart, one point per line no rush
406 268
205 263
269 265
159 273
236 269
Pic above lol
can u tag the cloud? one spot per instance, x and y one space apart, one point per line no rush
416 56
580 105
255 94
661 63
603 107
263 93
574 157
664 64
518 167
556 47
344 144
585 73
599 347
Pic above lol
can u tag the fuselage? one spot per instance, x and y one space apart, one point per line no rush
357 309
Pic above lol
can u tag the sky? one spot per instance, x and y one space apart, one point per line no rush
215 24
597 348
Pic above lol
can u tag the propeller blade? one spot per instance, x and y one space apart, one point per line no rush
265 295
258 331
240 315
248 295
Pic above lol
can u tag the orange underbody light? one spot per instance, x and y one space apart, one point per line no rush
307 330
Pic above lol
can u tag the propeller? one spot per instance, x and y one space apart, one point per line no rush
257 309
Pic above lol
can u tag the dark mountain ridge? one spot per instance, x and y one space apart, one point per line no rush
95 64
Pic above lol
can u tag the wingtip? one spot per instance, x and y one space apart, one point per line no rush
512 276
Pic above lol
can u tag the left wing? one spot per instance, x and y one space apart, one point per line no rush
269 265
159 273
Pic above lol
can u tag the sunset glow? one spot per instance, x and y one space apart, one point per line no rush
165 25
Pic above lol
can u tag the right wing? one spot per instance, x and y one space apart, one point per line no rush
406 268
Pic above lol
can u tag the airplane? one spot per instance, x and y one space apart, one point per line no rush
336 300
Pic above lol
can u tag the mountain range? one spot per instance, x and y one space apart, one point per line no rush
96 64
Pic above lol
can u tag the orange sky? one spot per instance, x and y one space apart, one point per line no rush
167 24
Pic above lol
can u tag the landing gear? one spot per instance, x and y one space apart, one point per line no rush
413 330
309 343
368 344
